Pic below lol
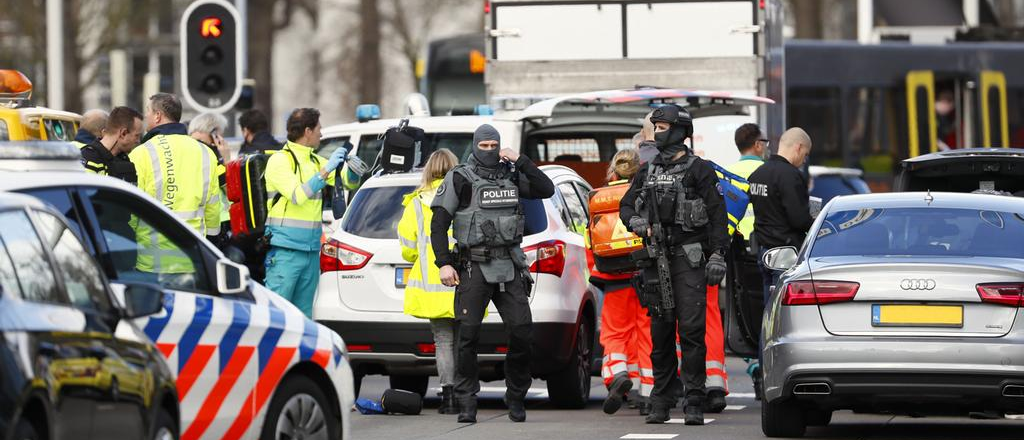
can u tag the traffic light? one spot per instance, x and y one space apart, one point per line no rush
211 55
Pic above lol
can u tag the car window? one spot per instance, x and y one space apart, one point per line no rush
583 189
145 244
577 213
459 143
828 187
950 232
57 130
375 212
327 146
60 199
563 211
32 267
369 146
82 280
8 280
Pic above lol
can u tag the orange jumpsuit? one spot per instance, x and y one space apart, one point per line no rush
625 332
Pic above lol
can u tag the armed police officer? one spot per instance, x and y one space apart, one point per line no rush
483 198
674 202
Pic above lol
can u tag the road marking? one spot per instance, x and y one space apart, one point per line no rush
741 395
681 421
735 407
649 436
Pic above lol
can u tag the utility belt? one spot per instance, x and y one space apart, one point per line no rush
482 254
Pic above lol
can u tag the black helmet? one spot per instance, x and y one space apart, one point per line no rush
676 116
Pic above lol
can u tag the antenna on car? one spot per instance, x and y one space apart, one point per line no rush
928 197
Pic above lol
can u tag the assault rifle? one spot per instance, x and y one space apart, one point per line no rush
654 282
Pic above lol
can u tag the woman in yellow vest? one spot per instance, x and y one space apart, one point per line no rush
425 296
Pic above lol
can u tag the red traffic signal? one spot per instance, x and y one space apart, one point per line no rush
211 27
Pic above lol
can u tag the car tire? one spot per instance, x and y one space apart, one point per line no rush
299 398
817 417
570 388
165 428
782 418
416 384
25 431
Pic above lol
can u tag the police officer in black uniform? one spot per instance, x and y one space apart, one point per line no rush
108 155
482 197
692 213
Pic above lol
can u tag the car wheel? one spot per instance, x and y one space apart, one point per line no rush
25 431
781 418
165 427
300 410
570 388
817 417
416 384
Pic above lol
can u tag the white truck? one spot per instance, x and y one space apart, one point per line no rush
543 49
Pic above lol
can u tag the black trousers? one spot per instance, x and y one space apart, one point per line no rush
471 299
690 288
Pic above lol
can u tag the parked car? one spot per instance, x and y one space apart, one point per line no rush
903 303
73 365
830 182
964 170
246 361
362 290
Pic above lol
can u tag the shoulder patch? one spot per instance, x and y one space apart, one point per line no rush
719 186
441 189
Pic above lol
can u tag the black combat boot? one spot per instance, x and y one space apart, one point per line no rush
616 391
644 405
693 411
448 402
715 402
516 409
467 410
659 412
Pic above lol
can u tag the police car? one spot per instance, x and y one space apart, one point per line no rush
248 364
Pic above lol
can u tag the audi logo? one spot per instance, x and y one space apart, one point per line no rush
917 284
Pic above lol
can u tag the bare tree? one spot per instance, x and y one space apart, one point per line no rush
807 14
265 18
412 23
369 52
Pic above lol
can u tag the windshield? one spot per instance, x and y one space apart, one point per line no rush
945 232
375 213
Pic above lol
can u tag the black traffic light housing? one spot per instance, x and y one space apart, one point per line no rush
211 55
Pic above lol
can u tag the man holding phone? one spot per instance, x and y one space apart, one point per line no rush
207 128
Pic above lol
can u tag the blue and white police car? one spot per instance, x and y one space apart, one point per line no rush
247 363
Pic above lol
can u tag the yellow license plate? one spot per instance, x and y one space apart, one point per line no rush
917 315
401 276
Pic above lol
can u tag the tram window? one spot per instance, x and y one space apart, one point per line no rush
1015 116
816 111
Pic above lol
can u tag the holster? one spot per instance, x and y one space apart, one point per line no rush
693 252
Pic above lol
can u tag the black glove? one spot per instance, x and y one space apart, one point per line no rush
639 226
715 270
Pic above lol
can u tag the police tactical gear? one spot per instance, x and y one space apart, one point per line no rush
670 142
715 269
639 226
491 227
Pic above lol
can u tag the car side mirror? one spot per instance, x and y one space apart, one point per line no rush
142 299
232 278
780 258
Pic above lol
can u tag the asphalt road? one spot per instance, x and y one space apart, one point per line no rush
741 420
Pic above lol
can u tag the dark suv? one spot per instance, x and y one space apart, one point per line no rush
72 364
965 170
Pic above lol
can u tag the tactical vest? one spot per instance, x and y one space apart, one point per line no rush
677 202
490 229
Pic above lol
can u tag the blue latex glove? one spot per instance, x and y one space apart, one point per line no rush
315 183
337 158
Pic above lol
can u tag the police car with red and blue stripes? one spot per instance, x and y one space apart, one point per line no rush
246 362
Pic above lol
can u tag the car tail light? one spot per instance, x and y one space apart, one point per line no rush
1007 294
801 293
426 348
362 348
335 256
503 349
546 257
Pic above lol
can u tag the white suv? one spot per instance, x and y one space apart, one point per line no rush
362 288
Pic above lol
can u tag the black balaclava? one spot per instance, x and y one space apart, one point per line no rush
670 142
488 158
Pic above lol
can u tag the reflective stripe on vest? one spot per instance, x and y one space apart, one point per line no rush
422 248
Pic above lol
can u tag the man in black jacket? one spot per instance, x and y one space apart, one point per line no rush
778 190
108 155
256 132
482 198
691 211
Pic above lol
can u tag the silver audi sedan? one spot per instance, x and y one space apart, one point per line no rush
898 303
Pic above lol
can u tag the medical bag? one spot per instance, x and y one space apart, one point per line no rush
610 240
404 147
247 192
